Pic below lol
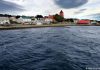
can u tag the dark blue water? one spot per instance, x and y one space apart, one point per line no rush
58 48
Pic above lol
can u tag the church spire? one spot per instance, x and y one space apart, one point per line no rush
61 13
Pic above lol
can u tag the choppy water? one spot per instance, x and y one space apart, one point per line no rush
58 48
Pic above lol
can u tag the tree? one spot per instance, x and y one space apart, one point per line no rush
17 16
69 20
58 18
39 17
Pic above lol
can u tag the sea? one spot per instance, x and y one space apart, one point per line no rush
50 48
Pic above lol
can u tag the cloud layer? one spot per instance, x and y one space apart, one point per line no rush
70 3
6 6
71 8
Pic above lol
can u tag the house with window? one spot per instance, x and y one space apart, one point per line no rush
43 20
25 20
38 21
4 20
48 20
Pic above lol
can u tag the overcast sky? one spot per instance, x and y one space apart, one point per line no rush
71 8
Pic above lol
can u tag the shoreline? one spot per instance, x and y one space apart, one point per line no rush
20 26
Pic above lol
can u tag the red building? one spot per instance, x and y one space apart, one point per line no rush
83 22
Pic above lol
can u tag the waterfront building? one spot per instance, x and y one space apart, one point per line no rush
4 20
13 18
93 22
39 20
49 19
24 20
84 21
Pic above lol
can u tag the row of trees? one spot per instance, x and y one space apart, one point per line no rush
59 18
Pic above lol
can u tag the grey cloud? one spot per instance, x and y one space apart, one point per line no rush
95 16
80 11
70 3
6 6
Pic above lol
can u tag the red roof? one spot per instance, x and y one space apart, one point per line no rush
83 22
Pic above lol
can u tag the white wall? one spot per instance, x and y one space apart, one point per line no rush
24 20
4 20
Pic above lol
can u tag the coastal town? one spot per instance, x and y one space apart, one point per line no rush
15 21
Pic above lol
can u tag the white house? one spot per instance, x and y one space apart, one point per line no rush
38 22
93 22
25 20
4 20
43 21
48 20
13 18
